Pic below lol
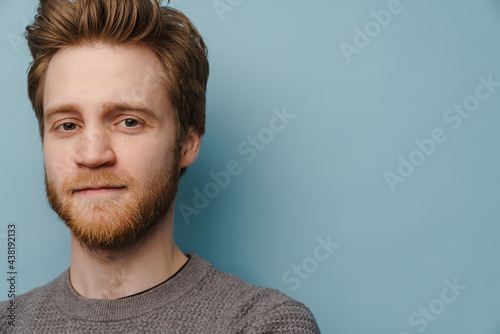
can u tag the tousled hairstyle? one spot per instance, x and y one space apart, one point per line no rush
167 32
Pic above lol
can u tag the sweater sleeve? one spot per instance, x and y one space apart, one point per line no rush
289 317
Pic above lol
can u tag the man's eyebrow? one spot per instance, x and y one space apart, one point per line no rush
65 108
107 107
114 107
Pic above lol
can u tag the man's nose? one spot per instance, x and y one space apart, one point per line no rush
94 148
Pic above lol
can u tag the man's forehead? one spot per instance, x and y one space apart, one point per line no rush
103 74
98 61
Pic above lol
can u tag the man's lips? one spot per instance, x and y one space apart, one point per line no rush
98 189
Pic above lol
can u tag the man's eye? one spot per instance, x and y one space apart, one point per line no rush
130 122
67 126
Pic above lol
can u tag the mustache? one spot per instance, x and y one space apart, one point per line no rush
97 179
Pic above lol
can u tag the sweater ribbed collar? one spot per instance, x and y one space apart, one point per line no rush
76 306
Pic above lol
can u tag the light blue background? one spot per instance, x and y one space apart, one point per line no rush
323 175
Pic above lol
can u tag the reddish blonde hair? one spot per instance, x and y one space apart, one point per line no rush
169 33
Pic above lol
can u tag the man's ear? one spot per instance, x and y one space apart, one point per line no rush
190 147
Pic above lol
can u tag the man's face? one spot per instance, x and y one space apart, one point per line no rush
110 144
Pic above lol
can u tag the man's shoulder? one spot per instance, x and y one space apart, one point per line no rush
260 308
224 285
31 297
20 308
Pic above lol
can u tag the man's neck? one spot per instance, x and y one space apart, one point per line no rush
102 274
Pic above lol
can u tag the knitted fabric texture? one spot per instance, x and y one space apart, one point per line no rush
199 299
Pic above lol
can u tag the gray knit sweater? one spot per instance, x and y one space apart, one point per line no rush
198 299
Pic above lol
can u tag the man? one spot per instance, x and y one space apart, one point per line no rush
118 88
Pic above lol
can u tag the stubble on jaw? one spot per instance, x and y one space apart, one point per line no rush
121 221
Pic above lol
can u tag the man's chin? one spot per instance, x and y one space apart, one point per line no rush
99 227
88 204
